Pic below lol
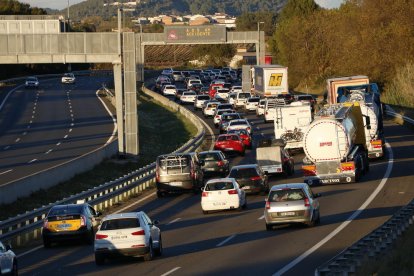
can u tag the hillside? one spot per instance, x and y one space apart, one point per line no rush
178 7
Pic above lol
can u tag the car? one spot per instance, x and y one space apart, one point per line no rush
169 90
214 162
236 89
273 158
199 101
213 89
127 234
68 78
250 178
225 119
222 194
288 98
167 72
8 260
193 81
240 124
178 173
244 135
204 90
179 93
260 107
210 108
177 76
223 106
196 87
188 97
291 203
222 94
251 104
241 99
31 82
70 222
217 115
231 98
307 99
230 143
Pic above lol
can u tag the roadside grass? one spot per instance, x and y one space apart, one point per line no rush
400 90
160 131
398 261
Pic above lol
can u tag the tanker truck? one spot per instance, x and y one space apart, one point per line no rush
335 145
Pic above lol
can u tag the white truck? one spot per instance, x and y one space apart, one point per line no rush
290 122
270 80
272 157
335 145
359 89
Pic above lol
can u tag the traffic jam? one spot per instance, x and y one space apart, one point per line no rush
337 138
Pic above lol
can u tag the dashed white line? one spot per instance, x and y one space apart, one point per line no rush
48 151
72 124
24 133
171 271
70 130
32 116
66 136
6 171
175 220
17 140
262 217
226 240
6 147
58 144
31 161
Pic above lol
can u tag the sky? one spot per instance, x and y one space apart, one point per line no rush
61 4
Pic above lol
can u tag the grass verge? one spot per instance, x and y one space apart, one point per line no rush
160 131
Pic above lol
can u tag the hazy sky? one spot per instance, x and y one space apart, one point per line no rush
61 4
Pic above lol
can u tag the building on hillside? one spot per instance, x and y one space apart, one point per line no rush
167 20
198 19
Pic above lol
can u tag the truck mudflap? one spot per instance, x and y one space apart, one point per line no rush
330 179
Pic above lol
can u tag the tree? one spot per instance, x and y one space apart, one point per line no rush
214 55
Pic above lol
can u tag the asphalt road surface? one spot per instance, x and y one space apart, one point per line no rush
236 243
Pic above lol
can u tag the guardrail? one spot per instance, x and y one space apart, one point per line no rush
373 244
25 227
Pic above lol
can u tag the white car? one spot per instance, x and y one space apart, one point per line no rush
188 97
236 89
169 90
222 94
128 234
251 104
260 107
232 98
210 109
222 194
241 99
199 101
193 81
240 124
68 78
31 82
8 260
217 115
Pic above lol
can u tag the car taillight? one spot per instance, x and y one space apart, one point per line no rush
220 163
306 200
348 166
138 233
100 236
204 194
157 175
255 178
309 170
248 129
376 144
267 205
83 220
232 192
217 116
193 174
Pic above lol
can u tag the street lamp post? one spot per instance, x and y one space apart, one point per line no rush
68 16
258 47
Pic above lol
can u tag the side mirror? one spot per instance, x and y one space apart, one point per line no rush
8 247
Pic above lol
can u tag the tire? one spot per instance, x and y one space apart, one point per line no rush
15 270
159 250
312 222
318 220
47 243
244 206
269 227
90 239
160 194
99 259
150 255
205 212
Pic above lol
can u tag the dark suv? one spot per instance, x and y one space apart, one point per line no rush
214 162
250 177
179 172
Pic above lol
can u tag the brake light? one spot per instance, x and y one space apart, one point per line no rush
204 194
376 144
267 206
220 163
255 178
83 220
138 233
100 236
348 166
232 192
309 170
306 200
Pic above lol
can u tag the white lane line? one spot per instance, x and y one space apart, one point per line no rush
58 144
175 220
348 221
226 240
135 202
262 217
171 271
72 124
31 161
32 116
48 151
6 171
30 251
70 130
6 147
34 111
31 121
24 133
113 120
66 136
17 140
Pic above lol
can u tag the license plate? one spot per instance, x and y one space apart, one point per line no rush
176 183
337 180
229 148
246 187
118 237
64 226
219 203
285 214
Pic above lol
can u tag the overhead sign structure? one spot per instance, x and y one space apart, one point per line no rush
188 34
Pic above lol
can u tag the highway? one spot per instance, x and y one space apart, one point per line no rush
53 124
236 243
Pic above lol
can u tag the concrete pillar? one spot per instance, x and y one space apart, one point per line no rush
119 105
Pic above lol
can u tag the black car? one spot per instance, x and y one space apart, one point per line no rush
251 178
215 162
196 87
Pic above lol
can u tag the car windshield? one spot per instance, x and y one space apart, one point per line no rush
217 186
225 106
243 173
244 95
230 117
238 123
203 97
286 195
238 131
210 156
122 223
253 100
228 138
66 209
32 79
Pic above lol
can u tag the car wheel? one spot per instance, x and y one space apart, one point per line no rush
311 223
90 239
269 227
158 251
150 254
160 194
245 203
99 259
47 243
318 220
205 212
14 271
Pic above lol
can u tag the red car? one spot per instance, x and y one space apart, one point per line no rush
244 135
230 143
213 89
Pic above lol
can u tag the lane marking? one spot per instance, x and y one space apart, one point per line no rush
171 271
72 124
58 144
175 220
6 171
66 136
112 137
31 161
136 202
70 130
48 151
30 251
262 217
6 147
17 140
24 133
347 221
31 121
226 240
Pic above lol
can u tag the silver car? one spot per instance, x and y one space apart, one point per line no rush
8 260
291 203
